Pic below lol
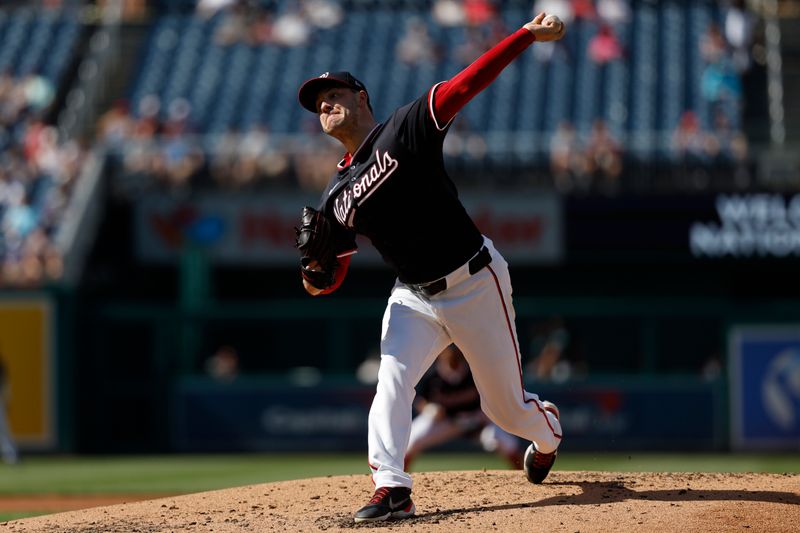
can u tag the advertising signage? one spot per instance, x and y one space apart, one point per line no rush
530 228
258 228
741 226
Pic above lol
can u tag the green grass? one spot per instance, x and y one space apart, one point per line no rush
174 474
5 517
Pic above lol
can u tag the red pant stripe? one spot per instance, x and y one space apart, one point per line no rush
516 351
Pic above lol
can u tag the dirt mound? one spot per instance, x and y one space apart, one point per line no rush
500 501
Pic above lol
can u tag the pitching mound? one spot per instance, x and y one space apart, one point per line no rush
456 501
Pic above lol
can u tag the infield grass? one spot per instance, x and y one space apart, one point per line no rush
174 474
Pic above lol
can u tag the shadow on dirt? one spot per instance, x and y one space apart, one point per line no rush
593 493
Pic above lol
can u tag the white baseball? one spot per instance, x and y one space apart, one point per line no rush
554 21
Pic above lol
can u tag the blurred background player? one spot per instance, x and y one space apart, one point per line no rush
449 408
7 448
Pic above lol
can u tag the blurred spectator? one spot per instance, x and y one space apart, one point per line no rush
312 160
39 92
115 126
479 12
270 162
712 44
416 44
614 12
604 47
223 158
223 365
449 407
688 139
464 142
7 448
179 158
448 13
568 163
291 28
323 14
739 24
233 26
693 149
251 22
720 83
555 359
584 9
20 218
730 147
132 10
259 30
209 8
604 155
148 123
256 158
721 86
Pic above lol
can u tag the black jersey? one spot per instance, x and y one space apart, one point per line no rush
396 192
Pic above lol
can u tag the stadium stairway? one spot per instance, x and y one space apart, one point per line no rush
132 35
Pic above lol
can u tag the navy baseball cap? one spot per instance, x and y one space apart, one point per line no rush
311 88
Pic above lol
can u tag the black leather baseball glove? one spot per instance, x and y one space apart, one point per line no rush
317 259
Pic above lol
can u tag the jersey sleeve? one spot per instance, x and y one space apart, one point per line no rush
417 127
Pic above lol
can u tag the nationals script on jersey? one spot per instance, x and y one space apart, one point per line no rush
395 191
363 187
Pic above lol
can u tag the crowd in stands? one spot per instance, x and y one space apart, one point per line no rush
158 145
169 154
259 24
163 145
37 173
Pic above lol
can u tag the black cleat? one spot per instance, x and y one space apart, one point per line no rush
537 464
386 503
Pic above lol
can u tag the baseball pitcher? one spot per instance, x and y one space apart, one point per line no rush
452 285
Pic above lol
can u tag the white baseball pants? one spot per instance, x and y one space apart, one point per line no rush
475 313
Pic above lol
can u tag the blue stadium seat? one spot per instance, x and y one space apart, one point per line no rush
644 78
587 79
641 97
157 58
236 75
191 44
257 97
65 37
14 38
558 97
673 66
